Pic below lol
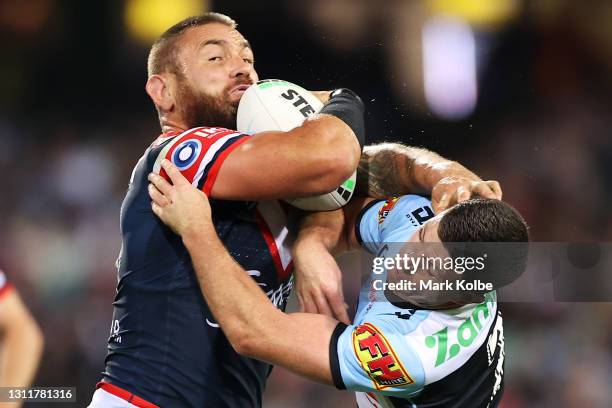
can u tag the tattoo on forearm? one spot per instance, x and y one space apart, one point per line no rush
385 172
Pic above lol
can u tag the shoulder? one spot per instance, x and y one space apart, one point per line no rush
197 152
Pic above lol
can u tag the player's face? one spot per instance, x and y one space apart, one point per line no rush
217 66
428 231
424 243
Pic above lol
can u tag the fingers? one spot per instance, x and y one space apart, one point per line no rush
483 190
487 189
309 305
175 175
161 185
322 305
323 96
300 300
334 297
496 188
442 204
157 197
463 193
339 308
456 191
157 210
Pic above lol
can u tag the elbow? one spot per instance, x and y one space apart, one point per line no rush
330 155
335 162
244 342
245 347
344 165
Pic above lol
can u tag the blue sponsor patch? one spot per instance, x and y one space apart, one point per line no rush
186 154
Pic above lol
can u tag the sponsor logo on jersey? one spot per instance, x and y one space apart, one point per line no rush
386 208
186 154
378 359
450 341
420 215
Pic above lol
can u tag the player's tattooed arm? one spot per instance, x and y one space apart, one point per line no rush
393 169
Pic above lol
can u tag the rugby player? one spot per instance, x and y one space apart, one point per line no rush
21 341
165 347
442 350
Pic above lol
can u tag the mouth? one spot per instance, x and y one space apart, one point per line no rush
239 90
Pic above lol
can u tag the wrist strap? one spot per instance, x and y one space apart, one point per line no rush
347 106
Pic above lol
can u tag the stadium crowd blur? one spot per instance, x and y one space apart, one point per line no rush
518 91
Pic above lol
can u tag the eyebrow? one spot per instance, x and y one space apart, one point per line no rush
222 43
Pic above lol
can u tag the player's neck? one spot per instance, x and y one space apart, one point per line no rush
169 125
400 299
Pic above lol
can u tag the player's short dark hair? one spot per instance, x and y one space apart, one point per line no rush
482 220
163 53
478 226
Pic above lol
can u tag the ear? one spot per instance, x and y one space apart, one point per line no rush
472 297
159 89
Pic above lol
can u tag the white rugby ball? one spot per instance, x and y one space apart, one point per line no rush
273 104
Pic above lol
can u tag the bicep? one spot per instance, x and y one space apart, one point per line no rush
311 159
264 167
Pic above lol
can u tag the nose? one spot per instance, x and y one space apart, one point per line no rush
241 68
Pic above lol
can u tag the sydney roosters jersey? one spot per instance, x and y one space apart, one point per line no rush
165 346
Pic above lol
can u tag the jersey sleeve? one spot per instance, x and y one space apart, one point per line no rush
373 357
199 154
391 221
404 218
366 226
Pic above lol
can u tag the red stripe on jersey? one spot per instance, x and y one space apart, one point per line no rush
6 289
372 395
206 137
214 170
271 243
125 395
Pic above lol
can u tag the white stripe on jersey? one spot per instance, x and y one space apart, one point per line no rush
275 217
365 400
210 153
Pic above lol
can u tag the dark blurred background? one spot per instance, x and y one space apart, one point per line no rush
519 91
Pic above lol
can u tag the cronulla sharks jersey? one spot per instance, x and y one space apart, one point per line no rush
404 356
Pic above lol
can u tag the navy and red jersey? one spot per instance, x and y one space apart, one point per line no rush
165 346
